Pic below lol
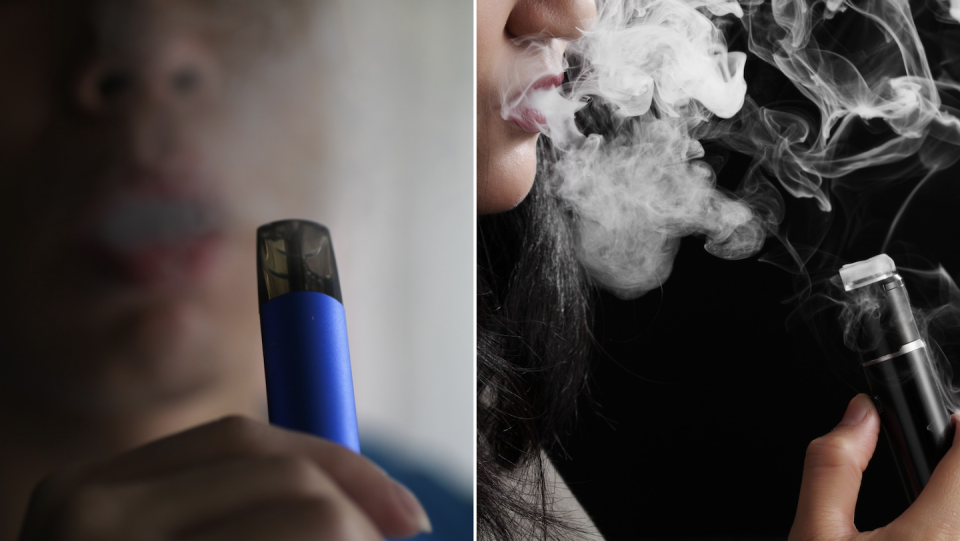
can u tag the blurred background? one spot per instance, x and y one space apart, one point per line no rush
401 213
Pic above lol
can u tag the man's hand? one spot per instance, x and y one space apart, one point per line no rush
233 479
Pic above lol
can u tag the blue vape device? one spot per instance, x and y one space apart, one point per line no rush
304 331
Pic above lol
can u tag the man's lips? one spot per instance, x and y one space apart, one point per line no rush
152 240
158 264
136 220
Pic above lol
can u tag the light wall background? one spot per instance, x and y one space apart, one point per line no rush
402 216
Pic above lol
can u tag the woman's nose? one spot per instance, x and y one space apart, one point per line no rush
563 19
172 72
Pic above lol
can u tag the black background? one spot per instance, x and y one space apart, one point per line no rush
703 400
705 393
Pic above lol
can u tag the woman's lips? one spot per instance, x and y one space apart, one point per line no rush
547 82
527 117
530 120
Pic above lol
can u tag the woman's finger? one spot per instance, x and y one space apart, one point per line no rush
934 515
832 473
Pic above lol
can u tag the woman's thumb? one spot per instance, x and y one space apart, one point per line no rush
832 472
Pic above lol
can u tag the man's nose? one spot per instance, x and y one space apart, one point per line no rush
167 72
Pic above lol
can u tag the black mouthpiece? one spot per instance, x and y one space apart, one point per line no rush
295 255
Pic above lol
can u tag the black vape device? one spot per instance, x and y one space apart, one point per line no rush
905 388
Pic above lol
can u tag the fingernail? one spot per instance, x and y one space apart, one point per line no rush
411 505
856 411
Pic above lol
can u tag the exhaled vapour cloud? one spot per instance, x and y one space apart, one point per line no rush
660 79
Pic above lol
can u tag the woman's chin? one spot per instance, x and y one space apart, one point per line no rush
505 178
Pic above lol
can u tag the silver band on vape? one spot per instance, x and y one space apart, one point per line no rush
907 348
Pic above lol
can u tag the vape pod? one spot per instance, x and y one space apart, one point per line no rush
304 330
899 371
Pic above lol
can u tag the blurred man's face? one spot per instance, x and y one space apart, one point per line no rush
141 143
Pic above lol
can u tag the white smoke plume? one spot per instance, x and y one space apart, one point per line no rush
657 77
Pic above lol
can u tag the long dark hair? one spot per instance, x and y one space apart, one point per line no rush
533 339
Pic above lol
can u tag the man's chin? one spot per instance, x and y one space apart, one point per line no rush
161 355
146 359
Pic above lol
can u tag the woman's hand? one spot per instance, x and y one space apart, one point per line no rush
831 482
235 480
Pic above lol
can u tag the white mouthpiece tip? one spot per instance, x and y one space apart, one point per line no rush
863 273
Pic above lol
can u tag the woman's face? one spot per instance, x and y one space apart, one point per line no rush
142 142
506 66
